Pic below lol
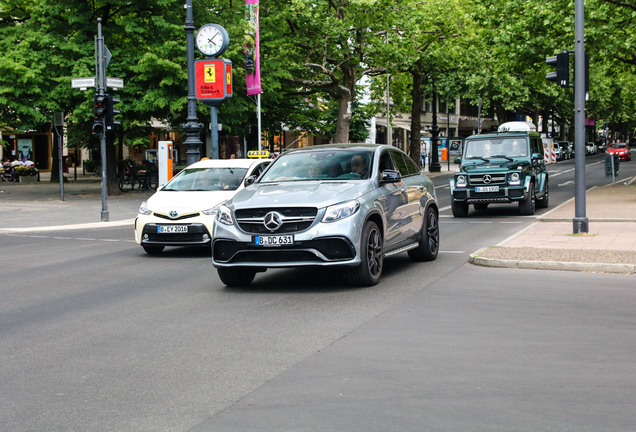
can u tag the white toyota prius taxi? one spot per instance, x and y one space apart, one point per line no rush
182 212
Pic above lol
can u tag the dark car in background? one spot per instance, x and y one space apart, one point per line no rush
345 206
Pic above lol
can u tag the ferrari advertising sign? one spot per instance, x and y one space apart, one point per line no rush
213 80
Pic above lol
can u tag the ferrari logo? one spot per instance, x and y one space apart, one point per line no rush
209 73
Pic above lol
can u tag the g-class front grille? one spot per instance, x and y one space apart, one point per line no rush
488 179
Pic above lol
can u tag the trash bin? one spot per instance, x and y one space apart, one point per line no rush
611 162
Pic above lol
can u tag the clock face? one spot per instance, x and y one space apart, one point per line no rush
211 39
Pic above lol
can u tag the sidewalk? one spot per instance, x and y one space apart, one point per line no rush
38 206
549 243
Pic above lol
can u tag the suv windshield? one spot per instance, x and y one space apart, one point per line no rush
336 164
496 148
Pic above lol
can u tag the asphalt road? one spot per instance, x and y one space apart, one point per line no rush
96 335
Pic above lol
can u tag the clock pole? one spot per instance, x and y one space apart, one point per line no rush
191 127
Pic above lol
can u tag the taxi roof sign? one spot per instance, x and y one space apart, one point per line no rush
258 154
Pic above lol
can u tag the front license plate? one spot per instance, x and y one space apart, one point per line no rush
487 189
172 229
281 240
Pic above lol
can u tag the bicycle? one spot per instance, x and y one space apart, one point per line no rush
144 176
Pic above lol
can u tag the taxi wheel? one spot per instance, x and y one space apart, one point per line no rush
429 239
372 257
236 276
153 250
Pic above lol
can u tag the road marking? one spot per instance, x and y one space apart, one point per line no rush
566 183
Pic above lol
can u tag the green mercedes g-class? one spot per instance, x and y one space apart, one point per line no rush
503 167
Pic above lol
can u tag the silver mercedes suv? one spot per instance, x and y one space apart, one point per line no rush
347 205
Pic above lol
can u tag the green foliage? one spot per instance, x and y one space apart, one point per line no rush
312 56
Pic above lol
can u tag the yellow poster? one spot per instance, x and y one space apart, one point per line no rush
210 75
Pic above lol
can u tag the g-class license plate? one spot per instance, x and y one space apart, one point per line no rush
171 229
487 189
268 241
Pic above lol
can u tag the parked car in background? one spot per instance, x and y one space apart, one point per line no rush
563 151
182 212
344 206
590 148
622 150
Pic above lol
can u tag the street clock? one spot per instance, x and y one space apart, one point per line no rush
212 40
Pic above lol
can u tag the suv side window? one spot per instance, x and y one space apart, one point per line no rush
404 164
537 145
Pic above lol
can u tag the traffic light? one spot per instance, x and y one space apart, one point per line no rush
111 122
99 112
562 74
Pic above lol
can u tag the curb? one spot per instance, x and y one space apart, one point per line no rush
474 258
118 223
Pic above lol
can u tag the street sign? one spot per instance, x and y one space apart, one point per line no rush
114 82
83 83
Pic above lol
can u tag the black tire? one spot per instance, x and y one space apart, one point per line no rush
126 182
152 182
236 276
528 205
460 209
544 201
429 239
153 249
481 206
372 257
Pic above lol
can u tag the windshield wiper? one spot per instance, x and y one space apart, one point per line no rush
503 157
479 157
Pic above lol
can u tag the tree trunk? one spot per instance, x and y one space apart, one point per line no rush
416 120
343 123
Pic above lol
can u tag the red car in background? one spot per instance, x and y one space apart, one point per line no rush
621 149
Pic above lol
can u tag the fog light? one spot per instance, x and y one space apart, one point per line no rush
206 237
146 237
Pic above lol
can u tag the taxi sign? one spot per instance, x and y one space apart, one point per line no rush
258 154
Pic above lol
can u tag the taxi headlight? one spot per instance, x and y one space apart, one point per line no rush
515 178
461 181
143 208
340 211
224 215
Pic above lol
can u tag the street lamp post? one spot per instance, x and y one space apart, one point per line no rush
580 221
191 127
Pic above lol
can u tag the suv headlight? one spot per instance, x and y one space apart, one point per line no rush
340 211
143 208
461 181
224 215
211 211
515 179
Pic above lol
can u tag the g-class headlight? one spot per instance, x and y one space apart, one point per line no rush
224 215
461 181
515 178
340 211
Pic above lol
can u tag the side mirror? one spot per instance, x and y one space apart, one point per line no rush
457 160
537 156
390 176
249 180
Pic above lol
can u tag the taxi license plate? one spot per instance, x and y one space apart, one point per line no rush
269 241
487 189
172 229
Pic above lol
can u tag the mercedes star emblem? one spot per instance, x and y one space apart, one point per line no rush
273 221
487 179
